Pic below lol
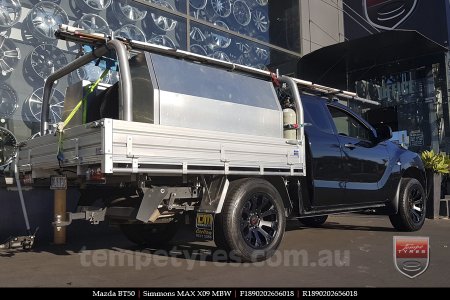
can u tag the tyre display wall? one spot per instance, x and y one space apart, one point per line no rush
257 33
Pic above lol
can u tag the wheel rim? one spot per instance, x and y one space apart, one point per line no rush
220 55
242 13
10 12
56 105
197 34
221 7
262 2
46 59
416 202
7 146
93 23
163 40
220 40
9 55
198 49
131 32
259 221
97 4
45 18
91 72
161 21
261 53
128 12
8 101
261 21
198 4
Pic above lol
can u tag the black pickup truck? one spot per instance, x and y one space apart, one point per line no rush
351 166
354 166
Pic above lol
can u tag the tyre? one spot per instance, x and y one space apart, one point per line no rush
411 206
314 221
252 222
155 235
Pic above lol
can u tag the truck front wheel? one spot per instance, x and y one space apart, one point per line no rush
411 206
252 222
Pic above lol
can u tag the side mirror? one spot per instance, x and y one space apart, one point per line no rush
384 133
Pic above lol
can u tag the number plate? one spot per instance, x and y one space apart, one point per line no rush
58 183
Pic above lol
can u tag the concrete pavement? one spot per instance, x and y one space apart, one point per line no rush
348 251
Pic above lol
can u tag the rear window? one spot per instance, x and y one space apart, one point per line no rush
316 114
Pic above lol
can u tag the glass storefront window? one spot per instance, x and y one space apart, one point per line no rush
211 42
270 21
141 22
178 5
408 104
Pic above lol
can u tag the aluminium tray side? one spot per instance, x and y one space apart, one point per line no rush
133 147
192 149
82 145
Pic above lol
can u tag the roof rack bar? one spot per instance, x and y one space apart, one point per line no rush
328 90
77 34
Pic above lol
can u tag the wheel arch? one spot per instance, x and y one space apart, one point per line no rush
279 183
247 244
411 172
414 172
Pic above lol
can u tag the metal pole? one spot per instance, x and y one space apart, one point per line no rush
338 93
59 237
22 200
126 92
298 106
126 88
79 62
301 141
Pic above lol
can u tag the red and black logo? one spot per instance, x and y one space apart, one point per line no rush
411 255
388 14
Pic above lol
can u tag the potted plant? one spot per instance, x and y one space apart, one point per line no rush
436 164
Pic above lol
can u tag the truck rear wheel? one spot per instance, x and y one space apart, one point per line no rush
252 222
314 221
155 235
411 206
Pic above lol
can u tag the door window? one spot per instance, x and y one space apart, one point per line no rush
347 125
316 114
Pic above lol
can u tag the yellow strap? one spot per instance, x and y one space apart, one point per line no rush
77 107
74 111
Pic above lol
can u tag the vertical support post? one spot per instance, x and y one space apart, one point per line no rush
434 197
59 233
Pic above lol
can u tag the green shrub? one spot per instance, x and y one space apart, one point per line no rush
438 163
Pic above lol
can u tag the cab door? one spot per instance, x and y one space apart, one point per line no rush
364 160
324 157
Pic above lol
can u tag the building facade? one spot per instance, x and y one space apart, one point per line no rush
413 94
396 56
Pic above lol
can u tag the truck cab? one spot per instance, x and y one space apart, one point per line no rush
352 165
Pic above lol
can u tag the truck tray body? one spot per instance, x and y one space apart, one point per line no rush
122 147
